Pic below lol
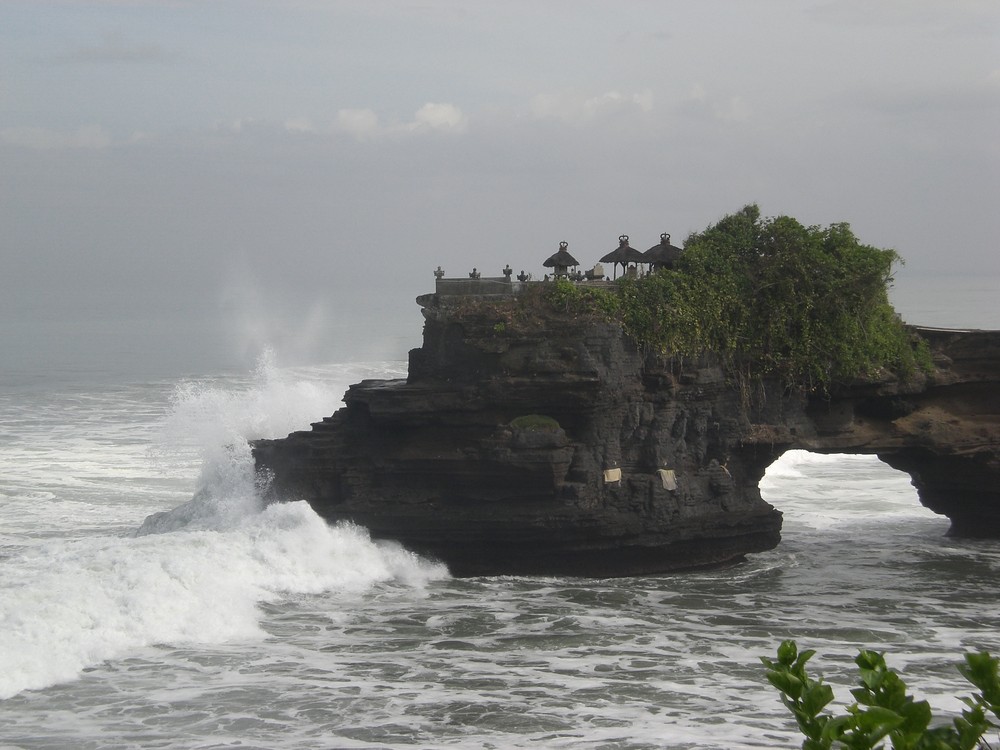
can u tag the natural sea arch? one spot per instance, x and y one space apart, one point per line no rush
941 428
820 488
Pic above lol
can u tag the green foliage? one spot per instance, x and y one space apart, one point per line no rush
535 423
808 306
565 296
882 707
776 299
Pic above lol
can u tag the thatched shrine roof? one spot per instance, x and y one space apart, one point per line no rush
561 258
624 254
662 254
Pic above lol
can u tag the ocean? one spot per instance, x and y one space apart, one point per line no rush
149 600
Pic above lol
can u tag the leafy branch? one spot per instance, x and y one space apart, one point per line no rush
882 709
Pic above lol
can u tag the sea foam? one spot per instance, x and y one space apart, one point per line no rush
198 573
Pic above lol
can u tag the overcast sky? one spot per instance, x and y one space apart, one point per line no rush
170 157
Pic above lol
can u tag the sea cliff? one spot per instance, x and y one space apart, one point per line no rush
530 440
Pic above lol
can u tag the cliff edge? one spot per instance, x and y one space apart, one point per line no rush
530 441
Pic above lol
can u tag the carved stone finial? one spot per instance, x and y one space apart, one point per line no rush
623 239
439 274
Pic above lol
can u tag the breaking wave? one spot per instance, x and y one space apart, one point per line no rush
198 573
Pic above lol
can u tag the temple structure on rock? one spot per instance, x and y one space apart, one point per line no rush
565 266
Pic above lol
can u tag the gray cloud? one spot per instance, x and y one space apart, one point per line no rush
954 18
44 139
973 98
115 47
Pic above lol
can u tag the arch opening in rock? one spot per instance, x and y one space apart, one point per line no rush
819 489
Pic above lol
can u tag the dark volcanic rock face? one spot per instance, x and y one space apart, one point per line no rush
435 462
653 466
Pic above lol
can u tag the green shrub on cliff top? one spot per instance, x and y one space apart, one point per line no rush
773 298
566 296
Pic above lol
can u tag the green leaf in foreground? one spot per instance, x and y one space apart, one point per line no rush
882 709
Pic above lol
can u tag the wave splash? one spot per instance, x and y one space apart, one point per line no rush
215 423
198 573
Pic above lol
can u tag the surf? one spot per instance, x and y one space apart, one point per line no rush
198 573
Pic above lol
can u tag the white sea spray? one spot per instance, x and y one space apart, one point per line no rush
197 573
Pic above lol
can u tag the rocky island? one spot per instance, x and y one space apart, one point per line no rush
538 433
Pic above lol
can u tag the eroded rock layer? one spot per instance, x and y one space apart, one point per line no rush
546 444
